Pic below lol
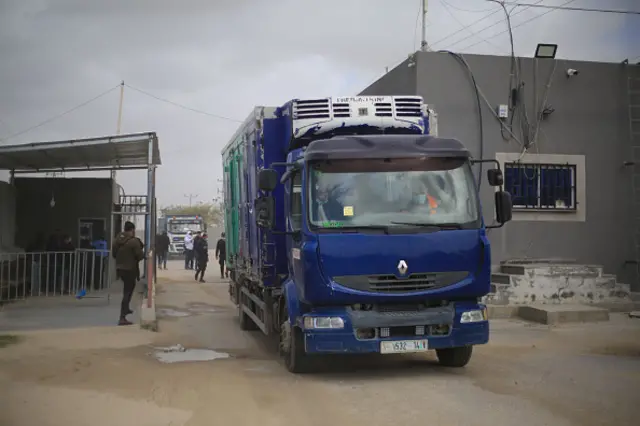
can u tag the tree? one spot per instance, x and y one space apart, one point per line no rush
211 213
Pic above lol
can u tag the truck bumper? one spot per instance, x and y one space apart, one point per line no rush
345 340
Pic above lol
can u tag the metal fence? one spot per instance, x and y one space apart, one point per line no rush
44 274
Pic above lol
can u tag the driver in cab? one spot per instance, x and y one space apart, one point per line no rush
327 209
421 198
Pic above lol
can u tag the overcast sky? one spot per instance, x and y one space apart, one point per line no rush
225 56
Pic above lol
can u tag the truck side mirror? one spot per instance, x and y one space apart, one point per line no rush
495 177
267 180
265 212
504 207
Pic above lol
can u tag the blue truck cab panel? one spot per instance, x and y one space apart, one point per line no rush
363 230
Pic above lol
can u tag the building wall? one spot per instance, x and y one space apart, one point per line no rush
589 126
74 198
7 217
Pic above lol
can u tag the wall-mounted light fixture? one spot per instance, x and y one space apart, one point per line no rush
546 51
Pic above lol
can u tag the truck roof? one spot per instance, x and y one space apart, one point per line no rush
384 146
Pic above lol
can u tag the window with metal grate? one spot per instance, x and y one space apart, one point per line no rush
538 186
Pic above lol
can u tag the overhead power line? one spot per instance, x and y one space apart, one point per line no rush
55 117
520 24
501 21
158 98
446 6
465 10
578 9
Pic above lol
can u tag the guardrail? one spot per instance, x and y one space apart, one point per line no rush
46 274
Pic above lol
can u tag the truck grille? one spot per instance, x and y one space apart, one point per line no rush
392 284
403 106
311 108
341 111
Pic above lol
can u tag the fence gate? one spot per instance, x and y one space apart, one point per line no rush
82 273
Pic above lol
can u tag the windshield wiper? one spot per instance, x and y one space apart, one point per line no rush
357 228
436 226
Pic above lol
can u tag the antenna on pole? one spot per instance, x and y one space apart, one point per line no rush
424 47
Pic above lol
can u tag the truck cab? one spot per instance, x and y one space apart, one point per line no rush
177 227
385 244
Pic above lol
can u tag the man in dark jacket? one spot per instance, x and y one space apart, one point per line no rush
162 249
128 253
221 254
201 251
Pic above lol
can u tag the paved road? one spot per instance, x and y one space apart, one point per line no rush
528 375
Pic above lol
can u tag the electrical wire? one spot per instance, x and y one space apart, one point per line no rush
55 117
577 9
484 98
415 28
498 10
484 28
465 10
464 63
520 24
158 98
462 29
446 5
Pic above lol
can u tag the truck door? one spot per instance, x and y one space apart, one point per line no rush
294 221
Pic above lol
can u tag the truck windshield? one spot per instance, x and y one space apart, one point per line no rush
393 193
181 227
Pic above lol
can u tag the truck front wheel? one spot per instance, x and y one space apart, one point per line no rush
292 347
454 357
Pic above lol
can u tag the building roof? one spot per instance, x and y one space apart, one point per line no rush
118 152
384 146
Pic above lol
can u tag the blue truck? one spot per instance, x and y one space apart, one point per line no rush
331 265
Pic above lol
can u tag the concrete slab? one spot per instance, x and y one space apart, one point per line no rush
559 314
502 311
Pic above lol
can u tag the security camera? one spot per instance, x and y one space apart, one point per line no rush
571 72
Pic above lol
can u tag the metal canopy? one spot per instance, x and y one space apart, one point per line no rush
120 152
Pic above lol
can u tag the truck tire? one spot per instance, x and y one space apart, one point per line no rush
454 357
291 347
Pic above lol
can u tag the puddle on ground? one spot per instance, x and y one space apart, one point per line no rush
167 312
201 308
179 353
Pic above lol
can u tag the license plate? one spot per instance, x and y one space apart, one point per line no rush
404 346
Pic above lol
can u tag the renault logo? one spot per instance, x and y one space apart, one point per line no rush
402 267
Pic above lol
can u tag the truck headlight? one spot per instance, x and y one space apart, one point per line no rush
473 316
323 322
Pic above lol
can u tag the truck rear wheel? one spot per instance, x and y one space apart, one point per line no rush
454 357
292 347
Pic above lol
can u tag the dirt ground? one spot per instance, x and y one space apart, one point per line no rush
584 375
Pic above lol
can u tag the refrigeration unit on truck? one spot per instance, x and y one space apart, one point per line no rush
177 226
353 228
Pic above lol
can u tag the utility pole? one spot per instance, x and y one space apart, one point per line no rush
423 44
191 197
119 124
118 130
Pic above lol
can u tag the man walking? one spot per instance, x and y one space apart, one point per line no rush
201 250
221 255
128 253
162 249
188 251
